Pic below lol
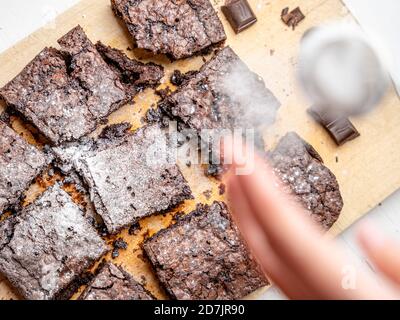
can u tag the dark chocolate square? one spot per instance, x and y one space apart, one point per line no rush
45 249
339 128
239 14
203 257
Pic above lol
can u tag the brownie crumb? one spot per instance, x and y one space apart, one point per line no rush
207 194
177 78
134 228
222 189
163 93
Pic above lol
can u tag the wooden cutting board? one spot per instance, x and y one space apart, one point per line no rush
368 169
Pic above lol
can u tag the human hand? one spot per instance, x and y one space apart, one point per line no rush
291 249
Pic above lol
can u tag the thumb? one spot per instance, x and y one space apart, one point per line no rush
383 252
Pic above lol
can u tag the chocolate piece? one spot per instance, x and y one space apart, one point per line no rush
293 18
179 29
67 93
45 249
339 128
125 186
202 102
203 257
20 164
303 174
239 14
134 74
114 283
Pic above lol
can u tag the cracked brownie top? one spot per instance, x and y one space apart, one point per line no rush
204 257
178 28
208 99
128 177
48 246
114 283
302 171
66 93
20 164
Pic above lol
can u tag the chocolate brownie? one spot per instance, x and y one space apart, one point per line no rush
114 283
45 249
128 179
205 101
179 29
66 93
204 257
134 74
20 164
302 171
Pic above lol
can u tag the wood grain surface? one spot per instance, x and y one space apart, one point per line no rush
368 168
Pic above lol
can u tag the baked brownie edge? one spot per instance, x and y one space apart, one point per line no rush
114 283
161 26
303 173
20 164
47 247
203 256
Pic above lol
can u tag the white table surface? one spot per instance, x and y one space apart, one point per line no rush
19 18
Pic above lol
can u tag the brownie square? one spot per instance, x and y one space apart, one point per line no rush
66 93
179 29
20 164
205 101
125 186
204 257
114 283
304 174
45 249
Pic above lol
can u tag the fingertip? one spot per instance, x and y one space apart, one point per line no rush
370 237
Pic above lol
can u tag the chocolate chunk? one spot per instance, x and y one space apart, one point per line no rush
20 164
304 175
293 18
239 14
47 247
203 257
114 283
179 29
340 128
